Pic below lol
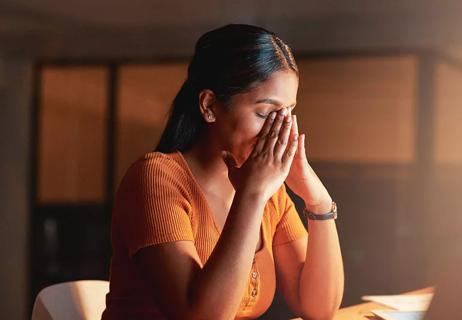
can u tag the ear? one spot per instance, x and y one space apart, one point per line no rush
207 104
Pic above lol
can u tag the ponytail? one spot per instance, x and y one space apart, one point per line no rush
185 121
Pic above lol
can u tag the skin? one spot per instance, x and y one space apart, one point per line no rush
247 151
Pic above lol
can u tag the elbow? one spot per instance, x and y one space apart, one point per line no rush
317 315
318 312
323 308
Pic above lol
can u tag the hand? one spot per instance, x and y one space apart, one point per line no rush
303 180
268 165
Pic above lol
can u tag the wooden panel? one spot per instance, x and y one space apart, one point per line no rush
145 96
448 114
72 128
358 109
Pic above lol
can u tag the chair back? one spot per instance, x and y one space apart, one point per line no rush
75 300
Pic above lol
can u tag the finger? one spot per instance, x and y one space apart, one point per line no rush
284 135
264 133
290 152
294 126
301 152
292 116
295 132
273 135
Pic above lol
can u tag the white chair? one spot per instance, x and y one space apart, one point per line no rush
75 300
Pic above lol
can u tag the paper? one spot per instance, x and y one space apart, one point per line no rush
403 302
399 315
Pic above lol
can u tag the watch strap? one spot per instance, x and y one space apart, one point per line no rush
332 214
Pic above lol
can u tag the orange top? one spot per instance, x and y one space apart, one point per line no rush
160 201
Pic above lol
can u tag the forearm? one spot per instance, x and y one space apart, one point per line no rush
228 267
321 279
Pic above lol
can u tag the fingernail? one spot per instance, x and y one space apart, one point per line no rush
273 115
284 111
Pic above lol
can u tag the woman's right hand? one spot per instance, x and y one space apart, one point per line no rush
268 165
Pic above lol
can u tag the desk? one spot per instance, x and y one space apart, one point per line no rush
362 311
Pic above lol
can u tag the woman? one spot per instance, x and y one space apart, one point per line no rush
203 227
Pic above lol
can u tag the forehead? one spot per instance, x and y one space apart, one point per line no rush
281 86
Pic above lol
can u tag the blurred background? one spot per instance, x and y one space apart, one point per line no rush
85 87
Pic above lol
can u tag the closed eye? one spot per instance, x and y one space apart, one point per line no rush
265 115
261 115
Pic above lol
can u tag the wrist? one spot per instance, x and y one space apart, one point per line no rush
322 207
331 214
253 196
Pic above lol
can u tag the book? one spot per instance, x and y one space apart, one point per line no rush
399 315
403 302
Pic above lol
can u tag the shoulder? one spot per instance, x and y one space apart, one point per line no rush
158 163
156 169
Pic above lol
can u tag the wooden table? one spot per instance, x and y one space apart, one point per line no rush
362 311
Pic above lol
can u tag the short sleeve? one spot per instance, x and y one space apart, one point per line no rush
152 205
290 227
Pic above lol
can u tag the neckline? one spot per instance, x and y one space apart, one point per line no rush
208 208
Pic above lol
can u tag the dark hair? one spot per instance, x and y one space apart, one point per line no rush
228 60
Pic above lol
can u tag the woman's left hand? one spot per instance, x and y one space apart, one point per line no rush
303 180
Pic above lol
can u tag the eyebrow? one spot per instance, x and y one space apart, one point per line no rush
273 102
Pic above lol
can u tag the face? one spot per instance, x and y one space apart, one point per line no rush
238 125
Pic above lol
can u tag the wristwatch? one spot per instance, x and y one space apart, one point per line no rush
332 214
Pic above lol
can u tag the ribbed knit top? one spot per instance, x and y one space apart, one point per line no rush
160 201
